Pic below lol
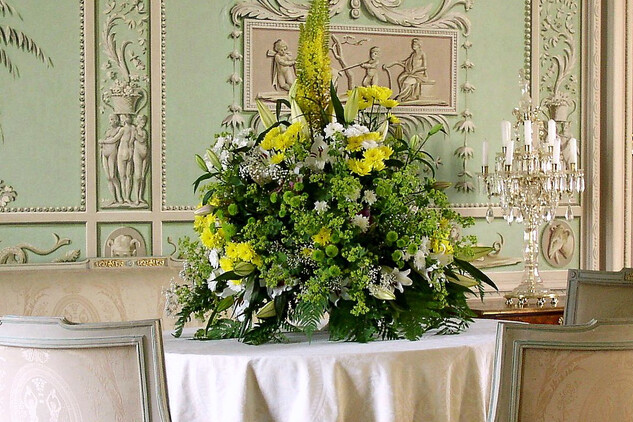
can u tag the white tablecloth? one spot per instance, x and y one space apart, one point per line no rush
438 378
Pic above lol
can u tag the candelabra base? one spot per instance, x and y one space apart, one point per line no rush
524 294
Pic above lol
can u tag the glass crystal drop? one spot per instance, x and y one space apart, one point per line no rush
569 213
519 217
510 218
490 215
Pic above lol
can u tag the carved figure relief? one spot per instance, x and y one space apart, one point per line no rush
558 243
360 56
125 242
124 146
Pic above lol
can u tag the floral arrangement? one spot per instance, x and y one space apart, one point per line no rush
326 212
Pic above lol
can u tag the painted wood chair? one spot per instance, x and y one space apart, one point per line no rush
577 373
598 295
54 370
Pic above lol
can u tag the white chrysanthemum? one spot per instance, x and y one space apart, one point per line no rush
419 260
369 144
361 221
214 258
332 128
370 197
321 206
355 130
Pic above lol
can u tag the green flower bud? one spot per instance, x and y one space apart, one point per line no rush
331 251
282 213
288 196
273 197
295 202
401 243
396 256
252 220
318 255
233 209
229 230
392 236
334 271
335 238
298 186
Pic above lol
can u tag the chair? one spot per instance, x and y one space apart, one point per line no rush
598 295
54 370
563 373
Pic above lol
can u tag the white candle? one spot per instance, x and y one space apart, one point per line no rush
551 132
573 151
509 153
556 152
506 130
484 154
527 132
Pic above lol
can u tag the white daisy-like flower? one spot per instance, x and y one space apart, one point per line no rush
419 260
370 197
332 128
321 206
214 258
369 144
355 130
361 221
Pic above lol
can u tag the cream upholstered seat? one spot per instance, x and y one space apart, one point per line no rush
563 373
54 370
598 295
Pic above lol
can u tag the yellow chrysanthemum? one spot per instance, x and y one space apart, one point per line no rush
378 165
269 140
215 201
257 261
394 120
373 155
323 236
354 143
277 158
389 103
245 252
386 151
231 250
360 167
226 263
211 239
199 223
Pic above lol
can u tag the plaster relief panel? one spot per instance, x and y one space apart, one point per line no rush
123 74
125 242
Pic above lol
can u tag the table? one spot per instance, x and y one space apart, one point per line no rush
493 308
437 378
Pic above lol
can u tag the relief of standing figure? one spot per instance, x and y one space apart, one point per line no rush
371 67
140 158
109 149
126 136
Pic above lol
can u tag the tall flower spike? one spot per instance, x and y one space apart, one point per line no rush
313 65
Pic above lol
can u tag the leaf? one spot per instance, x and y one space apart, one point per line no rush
351 106
435 129
384 130
394 163
266 116
225 304
200 180
475 272
336 103
278 104
229 275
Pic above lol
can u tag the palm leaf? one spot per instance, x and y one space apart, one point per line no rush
7 9
12 37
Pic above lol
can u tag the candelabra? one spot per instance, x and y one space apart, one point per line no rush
529 182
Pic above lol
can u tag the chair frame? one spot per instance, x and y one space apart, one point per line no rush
513 338
59 333
624 277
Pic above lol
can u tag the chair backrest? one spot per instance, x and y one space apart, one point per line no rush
598 295
553 373
54 370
